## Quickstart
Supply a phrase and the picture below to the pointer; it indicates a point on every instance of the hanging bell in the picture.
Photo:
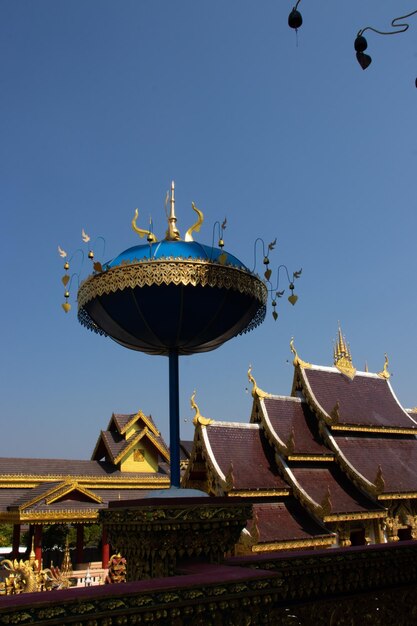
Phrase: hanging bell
(67, 294)
(294, 19)
(266, 261)
(91, 255)
(66, 266)
(221, 243)
(360, 43)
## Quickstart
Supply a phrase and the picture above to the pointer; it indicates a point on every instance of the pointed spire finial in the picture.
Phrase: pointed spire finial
(342, 356)
(172, 234)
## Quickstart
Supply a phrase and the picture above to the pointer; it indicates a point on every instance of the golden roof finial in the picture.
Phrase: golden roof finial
(172, 234)
(342, 356)
(256, 391)
(141, 231)
(297, 360)
(195, 227)
(198, 418)
(385, 373)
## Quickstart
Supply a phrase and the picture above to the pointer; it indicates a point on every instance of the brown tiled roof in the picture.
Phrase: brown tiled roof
(290, 414)
(121, 420)
(285, 521)
(245, 446)
(366, 400)
(12, 496)
(114, 443)
(396, 456)
(345, 498)
(63, 468)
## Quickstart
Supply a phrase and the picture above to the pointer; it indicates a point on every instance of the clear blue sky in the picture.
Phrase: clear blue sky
(103, 102)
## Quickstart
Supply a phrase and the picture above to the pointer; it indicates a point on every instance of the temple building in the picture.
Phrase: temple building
(129, 459)
(334, 464)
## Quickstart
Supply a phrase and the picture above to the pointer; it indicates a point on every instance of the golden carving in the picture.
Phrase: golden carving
(297, 360)
(256, 391)
(379, 481)
(291, 442)
(311, 457)
(326, 504)
(230, 479)
(143, 273)
(259, 493)
(342, 357)
(374, 429)
(142, 232)
(335, 413)
(195, 227)
(198, 418)
(292, 545)
(385, 373)
(139, 455)
(116, 570)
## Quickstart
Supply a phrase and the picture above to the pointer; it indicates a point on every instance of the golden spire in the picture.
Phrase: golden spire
(342, 356)
(172, 234)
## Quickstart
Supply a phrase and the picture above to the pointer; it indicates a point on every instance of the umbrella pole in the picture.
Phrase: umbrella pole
(174, 419)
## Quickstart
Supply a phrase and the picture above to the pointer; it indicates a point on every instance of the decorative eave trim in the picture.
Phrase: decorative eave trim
(311, 457)
(84, 516)
(374, 429)
(398, 496)
(171, 271)
(350, 517)
(102, 482)
(73, 486)
(259, 493)
(294, 544)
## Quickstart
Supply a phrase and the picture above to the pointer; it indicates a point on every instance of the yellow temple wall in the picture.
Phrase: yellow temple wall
(141, 459)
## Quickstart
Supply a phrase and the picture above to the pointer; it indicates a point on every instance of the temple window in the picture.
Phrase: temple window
(357, 537)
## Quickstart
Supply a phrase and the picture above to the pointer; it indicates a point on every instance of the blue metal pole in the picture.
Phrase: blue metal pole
(174, 419)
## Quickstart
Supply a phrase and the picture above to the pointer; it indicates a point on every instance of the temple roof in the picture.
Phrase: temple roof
(15, 468)
(322, 484)
(397, 458)
(123, 433)
(366, 400)
(293, 426)
(286, 521)
(241, 452)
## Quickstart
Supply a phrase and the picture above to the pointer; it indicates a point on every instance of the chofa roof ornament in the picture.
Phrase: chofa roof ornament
(342, 356)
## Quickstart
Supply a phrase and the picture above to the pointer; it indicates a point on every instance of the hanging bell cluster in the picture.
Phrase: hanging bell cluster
(66, 279)
(292, 298)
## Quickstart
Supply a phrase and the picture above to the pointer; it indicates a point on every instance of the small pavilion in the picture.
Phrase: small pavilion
(129, 459)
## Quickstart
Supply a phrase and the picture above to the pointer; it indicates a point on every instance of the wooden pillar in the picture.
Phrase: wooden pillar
(80, 544)
(38, 544)
(105, 549)
(16, 541)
